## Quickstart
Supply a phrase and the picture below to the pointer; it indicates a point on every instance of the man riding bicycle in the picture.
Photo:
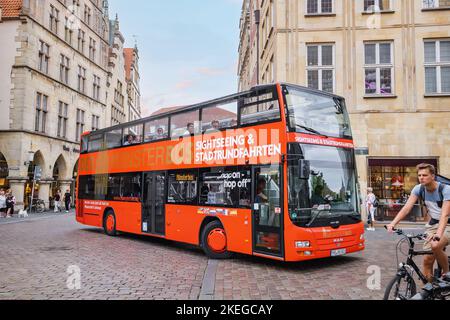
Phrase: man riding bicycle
(436, 197)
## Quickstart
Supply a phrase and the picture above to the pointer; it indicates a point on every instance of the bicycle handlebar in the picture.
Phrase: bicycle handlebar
(400, 232)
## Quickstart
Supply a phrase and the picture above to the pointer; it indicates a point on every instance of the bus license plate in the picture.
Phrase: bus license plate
(339, 252)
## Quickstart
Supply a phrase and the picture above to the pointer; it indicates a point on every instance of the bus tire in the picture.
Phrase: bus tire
(109, 223)
(214, 241)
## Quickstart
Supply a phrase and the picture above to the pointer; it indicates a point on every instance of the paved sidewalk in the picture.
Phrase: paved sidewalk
(34, 217)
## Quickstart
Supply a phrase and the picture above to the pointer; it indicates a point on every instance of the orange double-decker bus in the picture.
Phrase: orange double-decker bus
(269, 172)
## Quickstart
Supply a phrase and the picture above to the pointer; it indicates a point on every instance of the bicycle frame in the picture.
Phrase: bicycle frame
(402, 271)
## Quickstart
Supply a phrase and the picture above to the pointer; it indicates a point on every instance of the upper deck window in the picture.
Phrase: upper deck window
(185, 124)
(84, 144)
(95, 143)
(156, 130)
(315, 113)
(262, 107)
(132, 135)
(113, 138)
(218, 117)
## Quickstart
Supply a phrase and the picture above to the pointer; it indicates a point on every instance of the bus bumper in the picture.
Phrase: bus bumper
(325, 243)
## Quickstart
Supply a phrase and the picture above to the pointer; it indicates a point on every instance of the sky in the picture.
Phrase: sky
(188, 49)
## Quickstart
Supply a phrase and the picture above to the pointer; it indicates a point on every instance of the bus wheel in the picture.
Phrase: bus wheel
(109, 224)
(214, 241)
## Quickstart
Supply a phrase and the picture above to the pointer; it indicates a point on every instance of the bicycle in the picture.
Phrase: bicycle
(405, 272)
(438, 290)
(38, 205)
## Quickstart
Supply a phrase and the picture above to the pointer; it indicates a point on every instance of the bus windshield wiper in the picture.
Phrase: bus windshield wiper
(311, 130)
(338, 106)
(314, 218)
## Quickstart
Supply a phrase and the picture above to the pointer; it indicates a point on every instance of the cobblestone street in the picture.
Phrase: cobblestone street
(35, 256)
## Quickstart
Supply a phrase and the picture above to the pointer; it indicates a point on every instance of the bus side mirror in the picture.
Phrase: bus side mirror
(304, 169)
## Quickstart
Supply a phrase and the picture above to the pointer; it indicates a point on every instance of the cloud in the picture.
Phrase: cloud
(211, 72)
(184, 84)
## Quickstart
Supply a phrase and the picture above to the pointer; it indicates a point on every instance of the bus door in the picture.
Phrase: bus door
(153, 213)
(267, 210)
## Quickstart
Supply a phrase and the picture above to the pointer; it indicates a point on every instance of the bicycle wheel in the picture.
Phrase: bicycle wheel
(40, 207)
(400, 288)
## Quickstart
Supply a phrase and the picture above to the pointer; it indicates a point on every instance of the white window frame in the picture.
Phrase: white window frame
(378, 66)
(321, 67)
(432, 4)
(437, 64)
(377, 7)
(319, 8)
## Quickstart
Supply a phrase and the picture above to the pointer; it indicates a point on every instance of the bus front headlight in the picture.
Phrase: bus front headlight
(302, 244)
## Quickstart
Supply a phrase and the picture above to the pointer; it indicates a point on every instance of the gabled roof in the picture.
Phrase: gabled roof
(11, 8)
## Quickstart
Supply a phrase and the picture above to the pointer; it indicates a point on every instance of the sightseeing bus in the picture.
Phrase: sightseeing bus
(269, 172)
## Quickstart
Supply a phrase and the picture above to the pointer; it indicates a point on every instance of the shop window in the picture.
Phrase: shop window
(219, 187)
(183, 187)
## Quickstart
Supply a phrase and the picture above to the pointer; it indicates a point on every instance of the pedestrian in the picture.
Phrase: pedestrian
(436, 197)
(371, 207)
(67, 200)
(10, 203)
(58, 201)
(2, 203)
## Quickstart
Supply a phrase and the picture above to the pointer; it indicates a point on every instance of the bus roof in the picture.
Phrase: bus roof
(210, 102)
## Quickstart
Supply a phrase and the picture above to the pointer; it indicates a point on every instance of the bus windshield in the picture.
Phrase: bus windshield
(317, 114)
(329, 191)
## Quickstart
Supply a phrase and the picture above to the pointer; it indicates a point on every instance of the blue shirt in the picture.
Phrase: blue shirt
(431, 199)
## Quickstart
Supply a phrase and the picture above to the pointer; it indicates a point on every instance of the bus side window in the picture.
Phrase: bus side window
(220, 187)
(84, 144)
(132, 135)
(156, 130)
(182, 187)
(261, 112)
(95, 143)
(113, 138)
(219, 117)
(261, 107)
(185, 124)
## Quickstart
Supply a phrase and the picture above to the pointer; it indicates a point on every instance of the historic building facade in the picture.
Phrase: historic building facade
(54, 85)
(133, 79)
(389, 59)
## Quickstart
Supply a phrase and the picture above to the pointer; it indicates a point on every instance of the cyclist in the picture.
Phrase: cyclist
(436, 197)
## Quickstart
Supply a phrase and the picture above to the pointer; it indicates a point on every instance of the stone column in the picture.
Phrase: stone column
(44, 191)
(17, 186)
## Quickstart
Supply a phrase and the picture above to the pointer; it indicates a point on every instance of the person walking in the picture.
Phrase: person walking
(10, 203)
(2, 203)
(371, 207)
(67, 200)
(58, 201)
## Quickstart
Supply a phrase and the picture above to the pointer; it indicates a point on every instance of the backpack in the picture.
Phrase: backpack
(375, 202)
(443, 182)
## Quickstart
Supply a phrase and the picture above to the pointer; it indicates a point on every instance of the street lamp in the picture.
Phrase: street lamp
(30, 158)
